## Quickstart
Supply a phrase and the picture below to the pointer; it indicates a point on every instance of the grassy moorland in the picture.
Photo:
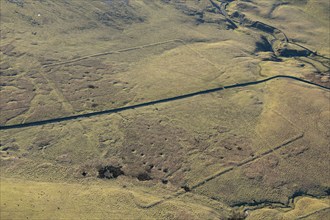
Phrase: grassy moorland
(250, 152)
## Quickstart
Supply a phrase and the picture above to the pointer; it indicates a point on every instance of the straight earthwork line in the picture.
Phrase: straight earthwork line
(312, 213)
(110, 52)
(244, 162)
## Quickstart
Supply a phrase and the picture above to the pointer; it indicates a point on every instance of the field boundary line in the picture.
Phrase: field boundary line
(227, 170)
(154, 102)
(110, 52)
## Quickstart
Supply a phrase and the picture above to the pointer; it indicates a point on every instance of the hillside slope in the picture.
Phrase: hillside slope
(255, 151)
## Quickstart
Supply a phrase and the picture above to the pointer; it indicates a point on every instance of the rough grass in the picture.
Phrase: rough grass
(195, 157)
(45, 200)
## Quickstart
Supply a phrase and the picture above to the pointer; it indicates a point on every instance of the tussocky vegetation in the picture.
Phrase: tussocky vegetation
(239, 152)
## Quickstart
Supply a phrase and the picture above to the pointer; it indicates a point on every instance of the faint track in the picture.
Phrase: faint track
(111, 52)
(116, 110)
(227, 170)
(249, 160)
(221, 6)
(286, 119)
(141, 47)
(135, 48)
(64, 101)
(313, 213)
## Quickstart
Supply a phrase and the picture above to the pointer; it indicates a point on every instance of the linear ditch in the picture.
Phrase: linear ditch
(248, 205)
(221, 7)
(145, 104)
(187, 189)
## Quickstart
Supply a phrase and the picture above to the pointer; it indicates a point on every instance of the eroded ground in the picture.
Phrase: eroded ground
(255, 152)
